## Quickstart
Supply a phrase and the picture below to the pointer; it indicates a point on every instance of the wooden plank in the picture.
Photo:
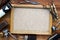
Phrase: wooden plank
(30, 6)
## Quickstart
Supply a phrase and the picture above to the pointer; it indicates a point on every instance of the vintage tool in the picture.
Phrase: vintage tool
(54, 11)
(30, 2)
(54, 37)
(54, 28)
(7, 34)
(5, 9)
(3, 24)
(30, 37)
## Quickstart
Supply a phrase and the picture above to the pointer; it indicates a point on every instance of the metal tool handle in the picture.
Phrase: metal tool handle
(52, 37)
(7, 34)
(12, 36)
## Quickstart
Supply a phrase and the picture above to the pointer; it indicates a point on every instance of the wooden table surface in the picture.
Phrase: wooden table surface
(39, 37)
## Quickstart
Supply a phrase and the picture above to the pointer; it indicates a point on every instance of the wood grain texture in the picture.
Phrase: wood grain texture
(39, 37)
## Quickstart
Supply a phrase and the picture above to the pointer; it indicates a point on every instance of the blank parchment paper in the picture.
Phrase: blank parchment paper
(31, 21)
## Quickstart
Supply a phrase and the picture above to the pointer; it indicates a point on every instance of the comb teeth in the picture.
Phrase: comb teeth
(3, 24)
